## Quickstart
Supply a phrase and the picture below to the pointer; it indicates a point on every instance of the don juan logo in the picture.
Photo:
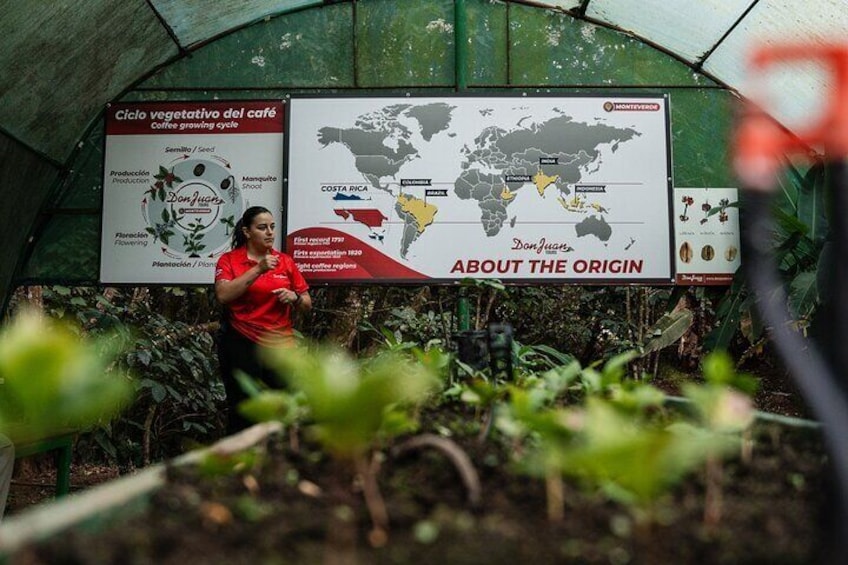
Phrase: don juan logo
(541, 245)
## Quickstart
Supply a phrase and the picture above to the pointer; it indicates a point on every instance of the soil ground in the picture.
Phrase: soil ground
(34, 481)
(35, 478)
(308, 509)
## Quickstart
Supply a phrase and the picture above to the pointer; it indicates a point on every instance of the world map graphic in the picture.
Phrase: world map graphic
(499, 167)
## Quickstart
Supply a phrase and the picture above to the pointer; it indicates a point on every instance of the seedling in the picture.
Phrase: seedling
(613, 442)
(723, 407)
(354, 405)
(53, 380)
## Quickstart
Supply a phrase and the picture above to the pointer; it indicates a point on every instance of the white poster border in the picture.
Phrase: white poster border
(314, 250)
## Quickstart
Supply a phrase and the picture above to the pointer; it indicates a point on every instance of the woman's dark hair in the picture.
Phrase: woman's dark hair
(246, 220)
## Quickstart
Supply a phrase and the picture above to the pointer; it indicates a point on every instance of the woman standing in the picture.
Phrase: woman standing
(259, 288)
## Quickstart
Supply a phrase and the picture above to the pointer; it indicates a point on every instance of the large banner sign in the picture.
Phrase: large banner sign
(568, 189)
(177, 177)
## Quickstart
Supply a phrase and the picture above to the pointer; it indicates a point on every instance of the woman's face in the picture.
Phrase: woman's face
(260, 234)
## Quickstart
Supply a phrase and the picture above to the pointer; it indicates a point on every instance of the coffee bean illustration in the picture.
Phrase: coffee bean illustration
(731, 253)
(225, 184)
(707, 253)
(685, 252)
(199, 169)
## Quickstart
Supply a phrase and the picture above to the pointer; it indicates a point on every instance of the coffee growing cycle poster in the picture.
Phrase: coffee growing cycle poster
(177, 176)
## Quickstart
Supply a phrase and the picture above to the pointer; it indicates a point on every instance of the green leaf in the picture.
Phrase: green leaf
(633, 462)
(266, 406)
(562, 358)
(559, 378)
(248, 384)
(803, 295)
(729, 314)
(788, 224)
(614, 369)
(156, 390)
(811, 203)
(668, 330)
(718, 368)
(55, 377)
(787, 194)
(716, 209)
(494, 284)
(350, 399)
(174, 393)
(144, 356)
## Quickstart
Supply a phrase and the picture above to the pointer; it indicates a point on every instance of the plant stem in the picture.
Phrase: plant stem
(713, 495)
(373, 500)
(294, 438)
(488, 418)
(477, 316)
(555, 496)
(148, 425)
(455, 454)
(489, 303)
(747, 450)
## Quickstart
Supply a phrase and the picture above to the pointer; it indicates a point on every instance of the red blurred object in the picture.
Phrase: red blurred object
(761, 141)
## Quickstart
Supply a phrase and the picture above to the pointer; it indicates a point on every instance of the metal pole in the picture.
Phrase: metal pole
(834, 348)
(460, 40)
(462, 315)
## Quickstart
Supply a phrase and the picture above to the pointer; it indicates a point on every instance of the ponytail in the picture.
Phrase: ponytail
(238, 238)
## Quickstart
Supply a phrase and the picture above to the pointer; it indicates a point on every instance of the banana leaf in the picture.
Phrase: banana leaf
(668, 329)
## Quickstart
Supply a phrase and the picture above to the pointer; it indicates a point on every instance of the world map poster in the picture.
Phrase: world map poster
(559, 189)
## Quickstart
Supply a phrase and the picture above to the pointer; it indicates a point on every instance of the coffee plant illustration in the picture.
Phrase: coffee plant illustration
(192, 240)
(164, 178)
(164, 230)
(229, 222)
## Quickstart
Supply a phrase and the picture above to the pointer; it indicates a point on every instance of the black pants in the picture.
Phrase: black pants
(237, 353)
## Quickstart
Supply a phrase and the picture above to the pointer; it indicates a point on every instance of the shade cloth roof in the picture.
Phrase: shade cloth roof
(54, 54)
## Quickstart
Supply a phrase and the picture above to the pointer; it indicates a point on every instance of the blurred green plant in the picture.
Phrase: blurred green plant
(619, 439)
(353, 406)
(723, 408)
(485, 392)
(166, 342)
(53, 380)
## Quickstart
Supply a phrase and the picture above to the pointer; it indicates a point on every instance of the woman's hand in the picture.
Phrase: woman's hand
(302, 301)
(286, 295)
(269, 263)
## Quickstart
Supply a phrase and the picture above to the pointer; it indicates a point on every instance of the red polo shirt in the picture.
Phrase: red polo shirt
(257, 314)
